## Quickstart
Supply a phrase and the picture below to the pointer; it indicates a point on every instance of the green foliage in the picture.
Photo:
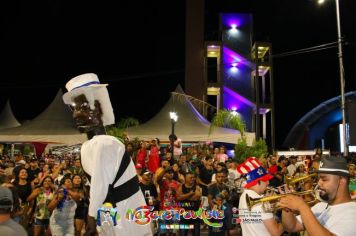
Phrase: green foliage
(124, 123)
(27, 149)
(225, 118)
(242, 151)
(119, 130)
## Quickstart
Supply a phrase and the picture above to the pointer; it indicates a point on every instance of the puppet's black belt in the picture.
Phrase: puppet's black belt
(123, 191)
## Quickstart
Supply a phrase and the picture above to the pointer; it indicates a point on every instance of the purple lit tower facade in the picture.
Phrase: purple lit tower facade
(230, 71)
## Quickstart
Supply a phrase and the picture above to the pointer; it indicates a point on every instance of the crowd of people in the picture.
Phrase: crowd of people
(50, 193)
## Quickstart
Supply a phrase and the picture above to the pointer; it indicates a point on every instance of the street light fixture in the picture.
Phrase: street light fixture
(174, 119)
(342, 77)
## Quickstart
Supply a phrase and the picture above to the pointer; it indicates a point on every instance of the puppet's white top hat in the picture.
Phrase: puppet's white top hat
(89, 85)
(84, 80)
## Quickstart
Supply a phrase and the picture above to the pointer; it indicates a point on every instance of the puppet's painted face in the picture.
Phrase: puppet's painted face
(85, 118)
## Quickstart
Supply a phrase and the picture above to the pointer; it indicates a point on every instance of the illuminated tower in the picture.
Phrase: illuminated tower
(227, 70)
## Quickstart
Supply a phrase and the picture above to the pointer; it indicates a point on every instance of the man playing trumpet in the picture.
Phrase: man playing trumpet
(256, 221)
(336, 215)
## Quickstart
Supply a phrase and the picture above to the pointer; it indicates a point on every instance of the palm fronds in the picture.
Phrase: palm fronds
(227, 119)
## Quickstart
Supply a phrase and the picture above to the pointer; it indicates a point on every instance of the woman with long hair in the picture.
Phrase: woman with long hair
(63, 207)
(43, 195)
(142, 154)
(82, 203)
(153, 157)
(24, 189)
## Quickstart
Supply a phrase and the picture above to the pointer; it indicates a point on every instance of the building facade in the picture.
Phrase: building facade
(227, 70)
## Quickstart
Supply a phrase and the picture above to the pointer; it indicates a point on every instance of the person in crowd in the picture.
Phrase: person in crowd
(153, 157)
(149, 190)
(176, 144)
(139, 171)
(335, 215)
(352, 170)
(45, 171)
(8, 226)
(112, 173)
(24, 190)
(168, 197)
(82, 204)
(218, 206)
(220, 188)
(233, 175)
(19, 165)
(168, 157)
(216, 153)
(130, 151)
(42, 195)
(205, 173)
(76, 169)
(161, 170)
(188, 195)
(33, 170)
(142, 154)
(222, 156)
(63, 207)
(9, 168)
(219, 167)
(257, 180)
(178, 176)
(184, 165)
(41, 163)
(278, 170)
(292, 167)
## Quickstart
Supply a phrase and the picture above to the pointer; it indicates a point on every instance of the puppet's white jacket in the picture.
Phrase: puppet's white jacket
(101, 157)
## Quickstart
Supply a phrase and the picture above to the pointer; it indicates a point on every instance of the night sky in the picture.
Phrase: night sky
(138, 48)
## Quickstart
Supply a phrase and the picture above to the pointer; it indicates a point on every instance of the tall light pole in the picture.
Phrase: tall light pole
(174, 118)
(342, 76)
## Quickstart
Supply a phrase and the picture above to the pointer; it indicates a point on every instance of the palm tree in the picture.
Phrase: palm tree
(227, 119)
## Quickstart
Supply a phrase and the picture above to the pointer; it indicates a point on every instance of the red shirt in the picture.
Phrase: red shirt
(273, 169)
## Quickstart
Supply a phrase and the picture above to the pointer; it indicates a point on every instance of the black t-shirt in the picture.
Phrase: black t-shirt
(32, 174)
(24, 191)
(148, 191)
(275, 182)
(189, 204)
(205, 176)
(215, 189)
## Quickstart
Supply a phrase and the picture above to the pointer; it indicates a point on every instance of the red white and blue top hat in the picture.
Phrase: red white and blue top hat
(254, 172)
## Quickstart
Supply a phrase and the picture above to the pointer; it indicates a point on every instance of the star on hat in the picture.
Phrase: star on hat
(254, 172)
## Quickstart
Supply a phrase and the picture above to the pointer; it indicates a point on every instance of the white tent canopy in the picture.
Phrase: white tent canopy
(7, 118)
(54, 125)
(190, 127)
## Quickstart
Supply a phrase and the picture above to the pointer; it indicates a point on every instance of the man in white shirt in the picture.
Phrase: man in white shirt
(336, 215)
(110, 170)
(292, 167)
(255, 221)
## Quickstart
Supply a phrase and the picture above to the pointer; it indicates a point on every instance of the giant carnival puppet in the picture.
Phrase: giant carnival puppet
(111, 172)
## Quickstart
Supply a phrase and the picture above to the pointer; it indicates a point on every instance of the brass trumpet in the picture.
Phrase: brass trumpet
(290, 181)
(268, 203)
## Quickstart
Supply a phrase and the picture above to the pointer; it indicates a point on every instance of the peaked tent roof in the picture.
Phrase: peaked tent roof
(190, 127)
(54, 125)
(7, 118)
